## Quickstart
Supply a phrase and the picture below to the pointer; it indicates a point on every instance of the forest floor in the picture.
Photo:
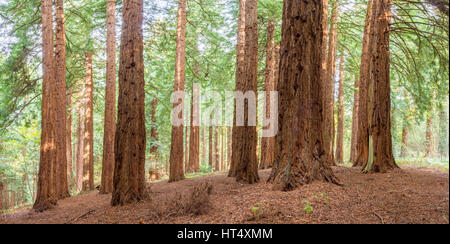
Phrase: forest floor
(409, 195)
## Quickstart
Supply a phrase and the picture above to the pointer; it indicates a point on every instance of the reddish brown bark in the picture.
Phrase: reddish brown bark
(106, 185)
(154, 130)
(381, 158)
(176, 150)
(244, 158)
(240, 70)
(69, 139)
(299, 150)
(340, 130)
(80, 143)
(88, 156)
(48, 143)
(216, 149)
(229, 146)
(267, 143)
(328, 105)
(355, 121)
(210, 147)
(60, 79)
(130, 137)
(362, 138)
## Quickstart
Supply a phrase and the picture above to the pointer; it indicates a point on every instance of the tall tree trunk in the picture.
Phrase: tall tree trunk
(267, 143)
(176, 150)
(204, 157)
(340, 132)
(186, 148)
(443, 132)
(299, 148)
(362, 138)
(222, 149)
(429, 135)
(60, 79)
(80, 143)
(2, 189)
(69, 139)
(355, 121)
(46, 184)
(88, 158)
(244, 158)
(229, 146)
(405, 133)
(381, 158)
(328, 106)
(240, 71)
(130, 140)
(106, 186)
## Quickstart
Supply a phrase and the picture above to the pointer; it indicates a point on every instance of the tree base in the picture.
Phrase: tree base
(42, 205)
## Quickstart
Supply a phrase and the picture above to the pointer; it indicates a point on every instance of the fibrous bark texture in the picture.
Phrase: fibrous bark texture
(129, 147)
(299, 149)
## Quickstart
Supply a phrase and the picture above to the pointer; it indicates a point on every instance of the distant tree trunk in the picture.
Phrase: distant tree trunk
(355, 121)
(2, 189)
(340, 132)
(381, 158)
(186, 148)
(80, 143)
(216, 149)
(210, 147)
(88, 158)
(229, 146)
(154, 130)
(443, 132)
(240, 71)
(362, 138)
(46, 185)
(69, 139)
(176, 150)
(106, 185)
(222, 148)
(429, 135)
(328, 109)
(405, 133)
(130, 140)
(245, 142)
(267, 143)
(299, 148)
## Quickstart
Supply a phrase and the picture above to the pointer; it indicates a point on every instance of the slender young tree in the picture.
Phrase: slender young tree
(80, 142)
(340, 131)
(299, 150)
(176, 149)
(362, 138)
(354, 121)
(154, 129)
(44, 199)
(429, 137)
(129, 147)
(210, 147)
(328, 106)
(381, 158)
(61, 111)
(405, 133)
(267, 143)
(216, 149)
(88, 153)
(244, 158)
(106, 186)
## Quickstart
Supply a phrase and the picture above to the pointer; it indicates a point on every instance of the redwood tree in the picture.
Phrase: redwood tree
(176, 148)
(340, 130)
(244, 158)
(329, 88)
(299, 150)
(44, 199)
(80, 143)
(354, 121)
(381, 158)
(267, 143)
(362, 138)
(88, 153)
(110, 101)
(60, 79)
(129, 147)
